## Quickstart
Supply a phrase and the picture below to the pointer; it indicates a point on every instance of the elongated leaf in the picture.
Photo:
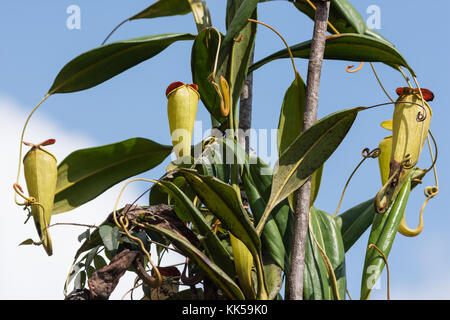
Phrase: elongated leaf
(240, 19)
(384, 230)
(290, 123)
(87, 173)
(214, 247)
(240, 56)
(261, 174)
(317, 280)
(290, 126)
(355, 221)
(272, 240)
(223, 202)
(243, 262)
(94, 240)
(222, 199)
(201, 14)
(203, 57)
(164, 8)
(217, 275)
(307, 153)
(100, 64)
(351, 47)
(110, 236)
(273, 277)
(344, 17)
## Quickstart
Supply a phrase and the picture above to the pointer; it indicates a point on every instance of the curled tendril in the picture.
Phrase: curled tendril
(431, 191)
(366, 153)
(406, 162)
(420, 117)
(123, 224)
(28, 200)
(349, 68)
(238, 39)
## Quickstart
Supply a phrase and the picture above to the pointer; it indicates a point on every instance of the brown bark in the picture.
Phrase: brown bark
(303, 194)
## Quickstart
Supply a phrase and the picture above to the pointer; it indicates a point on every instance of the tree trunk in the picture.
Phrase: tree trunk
(245, 110)
(303, 194)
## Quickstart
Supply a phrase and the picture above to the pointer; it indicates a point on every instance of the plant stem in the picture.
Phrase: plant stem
(245, 110)
(295, 280)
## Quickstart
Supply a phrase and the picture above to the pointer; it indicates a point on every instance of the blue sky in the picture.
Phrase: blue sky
(37, 44)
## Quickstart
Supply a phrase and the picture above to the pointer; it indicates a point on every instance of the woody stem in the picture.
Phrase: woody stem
(295, 280)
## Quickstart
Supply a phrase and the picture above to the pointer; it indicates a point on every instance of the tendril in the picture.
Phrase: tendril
(349, 68)
(366, 153)
(405, 164)
(387, 266)
(327, 262)
(281, 37)
(123, 224)
(420, 117)
(21, 141)
(380, 83)
(429, 192)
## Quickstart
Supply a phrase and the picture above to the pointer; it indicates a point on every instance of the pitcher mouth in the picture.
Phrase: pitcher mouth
(178, 84)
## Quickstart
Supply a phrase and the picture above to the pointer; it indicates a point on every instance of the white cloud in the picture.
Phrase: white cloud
(26, 272)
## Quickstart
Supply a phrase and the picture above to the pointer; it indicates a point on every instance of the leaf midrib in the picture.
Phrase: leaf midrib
(106, 168)
(87, 69)
(300, 161)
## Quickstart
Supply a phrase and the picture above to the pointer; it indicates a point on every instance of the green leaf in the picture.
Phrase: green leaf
(344, 17)
(384, 230)
(307, 153)
(290, 123)
(164, 8)
(213, 246)
(203, 57)
(80, 280)
(94, 240)
(26, 242)
(272, 240)
(102, 63)
(239, 21)
(261, 174)
(240, 56)
(99, 262)
(217, 275)
(223, 202)
(90, 257)
(87, 173)
(273, 277)
(372, 33)
(85, 235)
(352, 47)
(201, 14)
(290, 126)
(355, 221)
(233, 62)
(317, 281)
(110, 237)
